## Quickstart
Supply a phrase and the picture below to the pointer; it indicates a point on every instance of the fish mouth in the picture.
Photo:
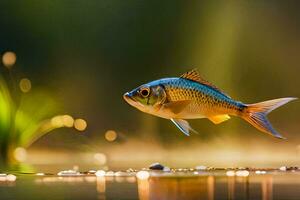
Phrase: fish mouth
(129, 98)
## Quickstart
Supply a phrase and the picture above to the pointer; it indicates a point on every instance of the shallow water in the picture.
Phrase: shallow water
(172, 185)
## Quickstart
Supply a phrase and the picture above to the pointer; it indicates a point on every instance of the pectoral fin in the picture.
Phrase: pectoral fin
(217, 119)
(177, 106)
(184, 126)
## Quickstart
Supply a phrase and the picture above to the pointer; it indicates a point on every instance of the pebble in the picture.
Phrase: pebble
(283, 168)
(11, 177)
(92, 171)
(166, 169)
(121, 173)
(110, 173)
(156, 166)
(68, 173)
(129, 170)
(201, 167)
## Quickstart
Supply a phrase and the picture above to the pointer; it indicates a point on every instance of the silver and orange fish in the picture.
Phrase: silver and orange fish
(191, 97)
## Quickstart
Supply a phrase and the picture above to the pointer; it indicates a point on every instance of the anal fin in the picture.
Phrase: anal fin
(217, 119)
(184, 126)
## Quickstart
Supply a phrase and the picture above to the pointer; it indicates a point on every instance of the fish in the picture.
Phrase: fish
(192, 97)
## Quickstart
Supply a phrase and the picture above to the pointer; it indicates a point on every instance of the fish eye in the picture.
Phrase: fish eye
(145, 92)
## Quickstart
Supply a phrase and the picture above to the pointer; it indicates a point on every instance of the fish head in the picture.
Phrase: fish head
(146, 98)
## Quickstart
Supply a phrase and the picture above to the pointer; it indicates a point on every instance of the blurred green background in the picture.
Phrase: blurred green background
(86, 54)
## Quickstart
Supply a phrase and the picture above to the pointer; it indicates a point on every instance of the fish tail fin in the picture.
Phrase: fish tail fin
(256, 114)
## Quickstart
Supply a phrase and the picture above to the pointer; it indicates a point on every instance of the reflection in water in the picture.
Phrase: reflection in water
(267, 188)
(202, 187)
(101, 187)
(143, 189)
(210, 187)
(230, 183)
(182, 186)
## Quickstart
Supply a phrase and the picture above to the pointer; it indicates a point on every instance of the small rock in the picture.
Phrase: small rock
(292, 168)
(11, 177)
(156, 166)
(121, 173)
(201, 167)
(166, 169)
(110, 173)
(68, 173)
(92, 171)
(283, 168)
(129, 170)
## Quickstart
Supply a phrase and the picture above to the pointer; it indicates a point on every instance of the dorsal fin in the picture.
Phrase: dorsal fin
(195, 76)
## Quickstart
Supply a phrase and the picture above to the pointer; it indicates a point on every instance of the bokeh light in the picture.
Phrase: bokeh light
(243, 173)
(9, 59)
(111, 135)
(282, 168)
(100, 158)
(57, 121)
(67, 121)
(25, 85)
(100, 173)
(230, 173)
(260, 172)
(143, 175)
(80, 124)
(20, 154)
(3, 177)
(11, 177)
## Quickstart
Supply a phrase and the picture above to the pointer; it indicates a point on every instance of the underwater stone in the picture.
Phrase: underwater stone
(156, 166)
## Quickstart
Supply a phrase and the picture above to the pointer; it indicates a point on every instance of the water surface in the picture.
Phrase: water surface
(173, 185)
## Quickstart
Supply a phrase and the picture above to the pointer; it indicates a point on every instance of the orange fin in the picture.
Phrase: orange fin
(177, 106)
(195, 76)
(256, 115)
(217, 119)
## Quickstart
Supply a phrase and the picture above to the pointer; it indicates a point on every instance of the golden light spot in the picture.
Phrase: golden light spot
(3, 177)
(25, 85)
(100, 173)
(243, 173)
(75, 167)
(230, 173)
(67, 121)
(20, 154)
(80, 124)
(100, 158)
(260, 172)
(111, 135)
(11, 177)
(9, 59)
(282, 168)
(143, 175)
(57, 121)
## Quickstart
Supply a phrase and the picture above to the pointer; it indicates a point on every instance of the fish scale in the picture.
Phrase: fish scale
(203, 97)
